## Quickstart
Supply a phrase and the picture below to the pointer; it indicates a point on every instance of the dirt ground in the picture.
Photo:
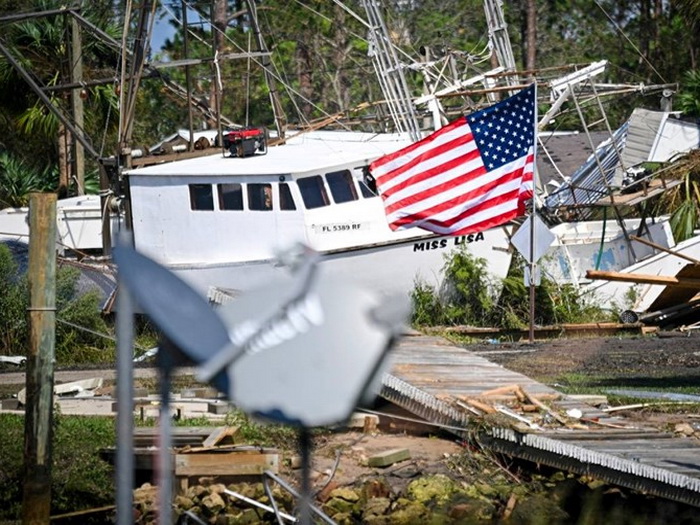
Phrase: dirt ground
(341, 459)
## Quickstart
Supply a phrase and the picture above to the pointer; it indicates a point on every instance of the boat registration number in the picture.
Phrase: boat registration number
(340, 227)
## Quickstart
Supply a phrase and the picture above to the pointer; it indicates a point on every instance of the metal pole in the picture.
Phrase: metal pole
(36, 502)
(188, 83)
(277, 110)
(106, 213)
(293, 492)
(532, 267)
(165, 457)
(305, 503)
(533, 218)
(125, 403)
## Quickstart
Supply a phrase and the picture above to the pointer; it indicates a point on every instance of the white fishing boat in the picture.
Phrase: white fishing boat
(206, 218)
(602, 245)
(78, 224)
(218, 221)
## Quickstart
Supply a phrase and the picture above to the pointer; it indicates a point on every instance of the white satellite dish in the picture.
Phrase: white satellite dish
(303, 351)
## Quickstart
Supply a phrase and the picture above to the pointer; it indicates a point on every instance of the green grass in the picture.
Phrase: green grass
(580, 383)
(80, 479)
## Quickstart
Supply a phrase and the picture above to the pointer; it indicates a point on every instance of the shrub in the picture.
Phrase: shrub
(469, 296)
(14, 298)
(466, 295)
(79, 320)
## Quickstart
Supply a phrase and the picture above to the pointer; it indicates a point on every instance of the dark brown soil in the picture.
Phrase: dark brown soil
(665, 359)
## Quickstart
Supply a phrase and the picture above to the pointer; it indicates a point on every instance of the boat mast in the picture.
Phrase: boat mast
(129, 83)
(390, 73)
(499, 39)
(280, 118)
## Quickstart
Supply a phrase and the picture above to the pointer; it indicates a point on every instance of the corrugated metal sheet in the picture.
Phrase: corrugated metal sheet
(643, 128)
(589, 183)
(635, 141)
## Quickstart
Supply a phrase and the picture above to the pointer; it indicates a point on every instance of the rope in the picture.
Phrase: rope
(630, 41)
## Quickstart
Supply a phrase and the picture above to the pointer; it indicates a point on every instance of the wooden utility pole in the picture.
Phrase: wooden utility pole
(36, 502)
(76, 76)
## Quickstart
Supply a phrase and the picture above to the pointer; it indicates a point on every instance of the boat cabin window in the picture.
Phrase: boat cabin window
(286, 199)
(230, 196)
(201, 197)
(260, 197)
(341, 185)
(313, 192)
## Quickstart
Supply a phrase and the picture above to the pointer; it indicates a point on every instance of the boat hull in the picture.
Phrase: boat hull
(388, 268)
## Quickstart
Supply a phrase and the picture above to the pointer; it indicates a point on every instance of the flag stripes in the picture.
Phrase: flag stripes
(473, 174)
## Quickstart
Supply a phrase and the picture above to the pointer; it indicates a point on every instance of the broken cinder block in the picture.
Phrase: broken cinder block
(389, 457)
(367, 422)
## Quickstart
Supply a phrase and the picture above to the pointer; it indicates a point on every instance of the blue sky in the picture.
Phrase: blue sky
(163, 29)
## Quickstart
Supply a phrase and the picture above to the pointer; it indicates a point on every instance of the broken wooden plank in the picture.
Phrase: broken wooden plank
(218, 435)
(484, 407)
(640, 278)
(181, 436)
(534, 401)
(238, 463)
(589, 399)
(509, 389)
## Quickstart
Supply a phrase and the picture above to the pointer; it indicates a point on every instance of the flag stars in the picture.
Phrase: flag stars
(505, 132)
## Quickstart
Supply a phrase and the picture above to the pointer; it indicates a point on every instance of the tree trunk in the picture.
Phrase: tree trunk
(341, 81)
(531, 35)
(64, 165)
(304, 68)
(646, 35)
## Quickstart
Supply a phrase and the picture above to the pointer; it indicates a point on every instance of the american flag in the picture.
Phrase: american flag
(471, 175)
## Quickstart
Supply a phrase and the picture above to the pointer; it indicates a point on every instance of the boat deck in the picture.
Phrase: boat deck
(445, 384)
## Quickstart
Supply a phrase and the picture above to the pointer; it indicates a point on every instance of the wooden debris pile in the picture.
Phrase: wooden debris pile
(198, 453)
(513, 406)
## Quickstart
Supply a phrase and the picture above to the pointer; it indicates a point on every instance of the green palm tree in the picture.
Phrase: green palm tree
(688, 99)
(684, 199)
(18, 180)
(29, 130)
